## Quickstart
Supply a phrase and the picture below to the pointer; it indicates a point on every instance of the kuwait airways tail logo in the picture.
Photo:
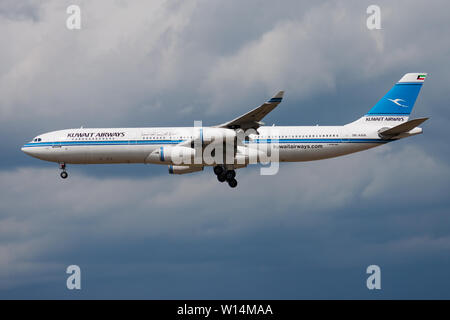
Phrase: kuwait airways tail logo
(397, 102)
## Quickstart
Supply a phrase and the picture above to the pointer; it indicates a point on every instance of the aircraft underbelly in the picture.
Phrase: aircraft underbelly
(315, 151)
(104, 154)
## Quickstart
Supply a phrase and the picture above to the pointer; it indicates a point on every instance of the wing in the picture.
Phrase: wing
(252, 119)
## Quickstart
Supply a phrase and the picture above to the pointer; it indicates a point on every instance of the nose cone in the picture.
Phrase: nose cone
(29, 151)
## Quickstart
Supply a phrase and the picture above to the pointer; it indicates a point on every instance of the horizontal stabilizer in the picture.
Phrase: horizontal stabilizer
(402, 128)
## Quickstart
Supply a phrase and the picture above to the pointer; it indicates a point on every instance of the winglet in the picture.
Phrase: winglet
(418, 77)
(277, 98)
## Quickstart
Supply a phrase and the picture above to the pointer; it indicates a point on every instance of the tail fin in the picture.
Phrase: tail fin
(397, 104)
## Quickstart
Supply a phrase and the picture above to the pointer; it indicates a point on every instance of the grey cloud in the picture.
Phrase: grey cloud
(20, 10)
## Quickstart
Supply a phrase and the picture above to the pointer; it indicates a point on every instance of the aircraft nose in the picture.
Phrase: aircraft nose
(27, 150)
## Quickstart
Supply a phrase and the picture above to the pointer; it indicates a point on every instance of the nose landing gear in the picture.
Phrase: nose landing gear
(226, 175)
(64, 173)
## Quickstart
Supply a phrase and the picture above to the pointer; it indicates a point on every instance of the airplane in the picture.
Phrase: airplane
(252, 142)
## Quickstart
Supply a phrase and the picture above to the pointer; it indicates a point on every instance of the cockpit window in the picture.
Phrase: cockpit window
(37, 139)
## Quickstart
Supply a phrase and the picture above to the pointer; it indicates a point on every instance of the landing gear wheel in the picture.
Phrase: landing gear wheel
(222, 177)
(232, 183)
(218, 170)
(230, 174)
(64, 175)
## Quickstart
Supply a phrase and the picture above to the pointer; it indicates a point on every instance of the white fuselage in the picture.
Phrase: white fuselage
(134, 145)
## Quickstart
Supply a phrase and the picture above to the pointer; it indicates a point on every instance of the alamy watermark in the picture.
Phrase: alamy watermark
(374, 280)
(373, 21)
(73, 21)
(210, 146)
(73, 282)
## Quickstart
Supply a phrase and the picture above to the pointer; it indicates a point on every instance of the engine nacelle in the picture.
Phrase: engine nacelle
(183, 169)
(172, 154)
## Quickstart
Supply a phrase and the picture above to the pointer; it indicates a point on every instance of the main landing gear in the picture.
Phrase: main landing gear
(64, 173)
(226, 175)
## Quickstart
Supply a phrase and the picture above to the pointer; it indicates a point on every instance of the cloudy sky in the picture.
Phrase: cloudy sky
(308, 232)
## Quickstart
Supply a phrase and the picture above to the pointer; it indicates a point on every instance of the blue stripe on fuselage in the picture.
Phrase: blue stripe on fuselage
(160, 142)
